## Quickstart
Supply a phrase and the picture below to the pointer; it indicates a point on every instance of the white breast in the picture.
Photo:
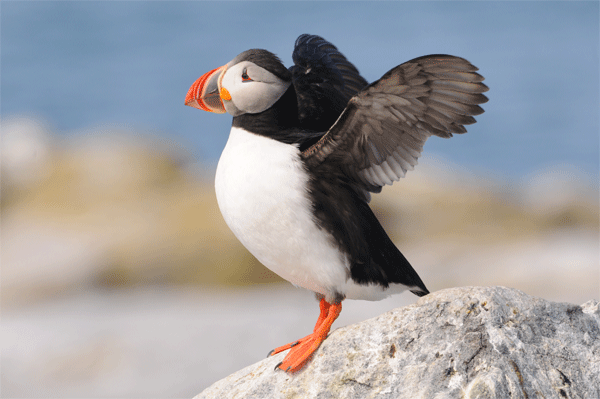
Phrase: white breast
(261, 190)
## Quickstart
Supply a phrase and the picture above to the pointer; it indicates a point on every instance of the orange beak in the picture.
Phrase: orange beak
(205, 92)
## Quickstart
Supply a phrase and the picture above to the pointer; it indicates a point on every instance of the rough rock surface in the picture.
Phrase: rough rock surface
(469, 342)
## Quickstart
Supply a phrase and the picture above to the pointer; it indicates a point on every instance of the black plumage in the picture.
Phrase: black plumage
(342, 211)
(324, 81)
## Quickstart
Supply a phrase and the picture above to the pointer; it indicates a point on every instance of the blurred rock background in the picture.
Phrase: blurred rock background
(119, 210)
(117, 266)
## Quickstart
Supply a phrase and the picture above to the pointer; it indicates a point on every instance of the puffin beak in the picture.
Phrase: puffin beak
(205, 92)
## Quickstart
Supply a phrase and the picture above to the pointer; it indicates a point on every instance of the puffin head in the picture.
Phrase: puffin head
(249, 84)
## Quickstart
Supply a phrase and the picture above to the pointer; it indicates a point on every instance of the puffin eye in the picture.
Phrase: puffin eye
(245, 77)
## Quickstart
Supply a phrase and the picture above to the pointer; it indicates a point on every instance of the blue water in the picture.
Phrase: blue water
(84, 64)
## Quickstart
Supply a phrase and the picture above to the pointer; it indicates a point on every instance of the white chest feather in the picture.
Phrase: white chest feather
(261, 190)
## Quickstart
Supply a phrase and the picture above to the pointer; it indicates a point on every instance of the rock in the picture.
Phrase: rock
(469, 342)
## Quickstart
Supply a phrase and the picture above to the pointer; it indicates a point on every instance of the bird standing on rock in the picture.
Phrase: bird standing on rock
(307, 147)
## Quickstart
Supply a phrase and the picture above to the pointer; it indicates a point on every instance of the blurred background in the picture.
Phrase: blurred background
(119, 277)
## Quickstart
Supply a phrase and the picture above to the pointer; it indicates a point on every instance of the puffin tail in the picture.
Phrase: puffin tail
(420, 291)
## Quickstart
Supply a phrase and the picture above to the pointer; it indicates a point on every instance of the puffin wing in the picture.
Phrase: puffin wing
(380, 134)
(324, 81)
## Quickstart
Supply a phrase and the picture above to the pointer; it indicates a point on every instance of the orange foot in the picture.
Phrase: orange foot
(303, 349)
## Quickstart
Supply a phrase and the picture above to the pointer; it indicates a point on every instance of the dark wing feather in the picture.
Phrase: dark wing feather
(381, 133)
(324, 81)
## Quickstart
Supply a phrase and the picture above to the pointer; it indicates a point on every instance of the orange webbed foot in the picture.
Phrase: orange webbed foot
(302, 350)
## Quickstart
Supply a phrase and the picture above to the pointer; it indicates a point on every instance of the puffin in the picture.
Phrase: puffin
(308, 146)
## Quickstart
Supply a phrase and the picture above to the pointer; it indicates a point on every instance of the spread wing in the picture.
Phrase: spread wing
(324, 81)
(380, 134)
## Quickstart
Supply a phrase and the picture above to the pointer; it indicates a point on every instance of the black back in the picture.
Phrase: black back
(340, 210)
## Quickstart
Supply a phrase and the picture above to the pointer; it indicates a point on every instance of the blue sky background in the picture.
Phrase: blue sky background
(78, 65)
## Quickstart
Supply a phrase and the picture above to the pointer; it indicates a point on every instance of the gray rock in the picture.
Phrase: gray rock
(469, 342)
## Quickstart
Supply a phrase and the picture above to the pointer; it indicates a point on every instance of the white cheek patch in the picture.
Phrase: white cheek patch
(257, 97)
(253, 96)
(262, 75)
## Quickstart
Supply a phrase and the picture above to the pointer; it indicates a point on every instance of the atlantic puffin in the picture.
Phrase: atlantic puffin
(308, 146)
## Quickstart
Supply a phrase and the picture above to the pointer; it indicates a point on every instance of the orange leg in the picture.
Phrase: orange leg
(324, 307)
(303, 349)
